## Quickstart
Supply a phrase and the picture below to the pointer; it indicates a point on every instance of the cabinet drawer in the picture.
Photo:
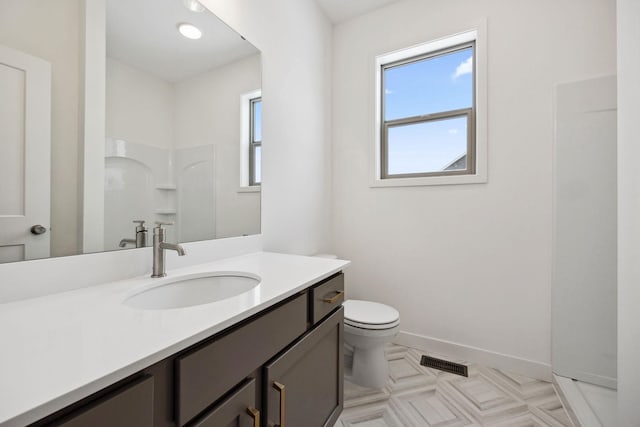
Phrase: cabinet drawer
(239, 409)
(208, 372)
(326, 297)
(131, 406)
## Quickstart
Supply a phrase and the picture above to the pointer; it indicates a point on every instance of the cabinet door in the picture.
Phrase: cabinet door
(206, 373)
(304, 386)
(237, 410)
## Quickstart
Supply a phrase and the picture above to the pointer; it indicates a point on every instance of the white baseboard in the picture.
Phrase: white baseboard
(504, 362)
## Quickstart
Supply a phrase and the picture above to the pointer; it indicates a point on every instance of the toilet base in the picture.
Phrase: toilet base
(366, 332)
(370, 367)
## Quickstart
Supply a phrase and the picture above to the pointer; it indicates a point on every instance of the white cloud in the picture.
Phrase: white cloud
(453, 131)
(388, 91)
(465, 67)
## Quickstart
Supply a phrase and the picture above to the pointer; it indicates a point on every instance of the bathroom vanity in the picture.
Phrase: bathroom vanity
(273, 356)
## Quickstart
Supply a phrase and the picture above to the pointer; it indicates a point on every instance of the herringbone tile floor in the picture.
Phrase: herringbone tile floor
(416, 396)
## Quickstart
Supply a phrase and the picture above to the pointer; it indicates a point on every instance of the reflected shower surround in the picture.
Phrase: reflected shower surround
(147, 183)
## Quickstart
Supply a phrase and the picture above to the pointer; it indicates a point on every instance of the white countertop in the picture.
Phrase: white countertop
(60, 348)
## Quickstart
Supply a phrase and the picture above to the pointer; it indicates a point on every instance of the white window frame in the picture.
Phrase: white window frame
(477, 35)
(245, 140)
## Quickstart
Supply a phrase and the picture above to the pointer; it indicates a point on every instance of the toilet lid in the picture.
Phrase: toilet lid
(370, 315)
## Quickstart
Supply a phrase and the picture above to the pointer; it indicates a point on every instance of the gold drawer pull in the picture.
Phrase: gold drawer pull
(255, 415)
(334, 298)
(280, 387)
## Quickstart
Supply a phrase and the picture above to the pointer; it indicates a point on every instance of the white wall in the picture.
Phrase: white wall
(295, 39)
(207, 111)
(139, 106)
(466, 264)
(628, 212)
(22, 25)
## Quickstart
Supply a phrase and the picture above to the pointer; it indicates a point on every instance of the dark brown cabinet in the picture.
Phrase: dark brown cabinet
(208, 371)
(326, 297)
(303, 386)
(282, 366)
(237, 410)
(129, 406)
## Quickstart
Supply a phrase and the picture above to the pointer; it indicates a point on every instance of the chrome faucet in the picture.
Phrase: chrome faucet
(141, 236)
(159, 245)
(125, 242)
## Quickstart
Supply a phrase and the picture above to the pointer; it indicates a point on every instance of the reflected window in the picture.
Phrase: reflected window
(428, 113)
(255, 141)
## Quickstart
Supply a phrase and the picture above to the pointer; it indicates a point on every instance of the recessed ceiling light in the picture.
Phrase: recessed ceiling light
(190, 31)
(193, 5)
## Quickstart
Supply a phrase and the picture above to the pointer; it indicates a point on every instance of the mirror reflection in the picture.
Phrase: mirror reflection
(117, 114)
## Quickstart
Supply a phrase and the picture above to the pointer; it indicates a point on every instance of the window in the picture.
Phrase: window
(255, 141)
(427, 108)
(250, 141)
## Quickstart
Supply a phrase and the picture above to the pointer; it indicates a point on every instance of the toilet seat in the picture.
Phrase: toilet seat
(370, 315)
(370, 326)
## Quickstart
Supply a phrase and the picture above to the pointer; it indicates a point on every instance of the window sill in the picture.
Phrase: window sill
(431, 180)
(250, 189)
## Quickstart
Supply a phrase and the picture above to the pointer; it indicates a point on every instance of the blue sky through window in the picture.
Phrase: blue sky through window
(426, 147)
(438, 84)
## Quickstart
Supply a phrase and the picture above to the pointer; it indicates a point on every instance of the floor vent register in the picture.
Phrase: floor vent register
(444, 365)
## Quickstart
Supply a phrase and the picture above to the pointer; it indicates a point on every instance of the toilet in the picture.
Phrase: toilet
(368, 326)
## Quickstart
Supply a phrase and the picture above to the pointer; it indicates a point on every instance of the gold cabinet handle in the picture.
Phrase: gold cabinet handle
(280, 388)
(334, 298)
(255, 415)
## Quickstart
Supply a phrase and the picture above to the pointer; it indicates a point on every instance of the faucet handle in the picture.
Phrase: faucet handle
(159, 224)
(140, 227)
(158, 228)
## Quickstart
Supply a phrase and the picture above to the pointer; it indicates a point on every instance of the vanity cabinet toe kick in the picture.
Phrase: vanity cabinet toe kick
(281, 367)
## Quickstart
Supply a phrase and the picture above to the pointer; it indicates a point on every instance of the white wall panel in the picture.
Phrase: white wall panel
(584, 280)
(628, 212)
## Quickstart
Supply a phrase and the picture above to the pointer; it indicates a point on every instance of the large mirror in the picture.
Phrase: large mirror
(115, 111)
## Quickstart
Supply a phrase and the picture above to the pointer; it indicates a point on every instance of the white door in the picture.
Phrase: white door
(25, 124)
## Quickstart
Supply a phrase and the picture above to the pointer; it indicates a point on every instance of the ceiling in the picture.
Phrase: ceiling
(341, 10)
(144, 35)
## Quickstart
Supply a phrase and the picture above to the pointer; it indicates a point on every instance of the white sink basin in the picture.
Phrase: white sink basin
(194, 289)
